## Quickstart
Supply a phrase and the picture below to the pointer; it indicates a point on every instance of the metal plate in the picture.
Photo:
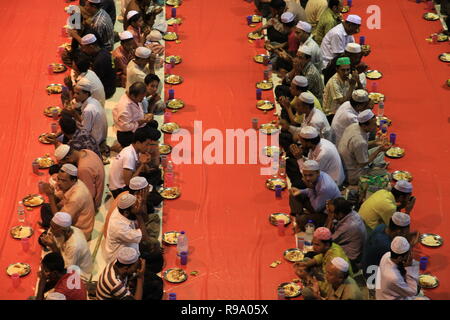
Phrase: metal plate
(172, 21)
(167, 237)
(183, 275)
(259, 58)
(442, 37)
(173, 79)
(401, 175)
(175, 104)
(295, 257)
(164, 149)
(288, 293)
(255, 36)
(433, 285)
(430, 16)
(58, 68)
(445, 57)
(376, 97)
(271, 183)
(269, 128)
(395, 152)
(45, 162)
(173, 2)
(373, 74)
(264, 105)
(166, 193)
(67, 46)
(42, 138)
(170, 36)
(438, 238)
(365, 47)
(177, 59)
(39, 200)
(54, 88)
(270, 150)
(21, 232)
(170, 127)
(24, 269)
(389, 122)
(49, 111)
(274, 217)
(264, 85)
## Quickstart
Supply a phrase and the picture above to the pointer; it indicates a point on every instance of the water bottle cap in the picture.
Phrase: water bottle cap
(182, 232)
(172, 295)
(310, 221)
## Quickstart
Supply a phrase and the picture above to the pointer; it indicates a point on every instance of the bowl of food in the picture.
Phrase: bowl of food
(259, 58)
(177, 59)
(173, 79)
(430, 16)
(272, 183)
(58, 68)
(33, 200)
(431, 240)
(175, 275)
(54, 88)
(20, 268)
(274, 217)
(49, 111)
(376, 97)
(45, 162)
(175, 104)
(401, 175)
(170, 127)
(270, 151)
(43, 137)
(255, 36)
(293, 255)
(170, 237)
(269, 128)
(165, 149)
(291, 289)
(172, 21)
(264, 105)
(21, 232)
(373, 74)
(427, 281)
(170, 36)
(170, 193)
(395, 152)
(264, 85)
(445, 57)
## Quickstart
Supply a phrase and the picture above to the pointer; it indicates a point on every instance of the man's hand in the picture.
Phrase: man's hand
(354, 78)
(284, 124)
(295, 192)
(365, 50)
(296, 151)
(284, 102)
(413, 238)
(283, 54)
(144, 158)
(148, 117)
(48, 189)
(52, 139)
(72, 33)
(410, 204)
(385, 147)
(48, 240)
(141, 271)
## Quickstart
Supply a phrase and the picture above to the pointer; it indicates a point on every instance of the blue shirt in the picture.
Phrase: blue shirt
(325, 189)
(377, 244)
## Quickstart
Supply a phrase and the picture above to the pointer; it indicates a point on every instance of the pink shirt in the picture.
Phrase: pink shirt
(92, 173)
(126, 114)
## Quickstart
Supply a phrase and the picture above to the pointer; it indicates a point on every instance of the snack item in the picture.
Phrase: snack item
(264, 85)
(275, 264)
(170, 36)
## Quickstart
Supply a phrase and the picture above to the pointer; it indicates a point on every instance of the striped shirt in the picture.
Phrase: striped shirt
(102, 24)
(110, 286)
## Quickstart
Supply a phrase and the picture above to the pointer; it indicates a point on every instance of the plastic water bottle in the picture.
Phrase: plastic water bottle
(21, 212)
(381, 109)
(182, 243)
(170, 166)
(309, 233)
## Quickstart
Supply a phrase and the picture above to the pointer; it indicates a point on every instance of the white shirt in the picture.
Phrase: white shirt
(94, 119)
(126, 159)
(318, 120)
(326, 154)
(135, 73)
(122, 232)
(345, 116)
(334, 43)
(127, 113)
(390, 283)
(97, 89)
(316, 55)
(75, 251)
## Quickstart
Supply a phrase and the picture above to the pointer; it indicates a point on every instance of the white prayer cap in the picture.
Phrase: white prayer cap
(353, 18)
(360, 95)
(126, 201)
(400, 245)
(305, 26)
(131, 13)
(305, 49)
(404, 186)
(55, 296)
(287, 17)
(88, 39)
(340, 264)
(309, 132)
(138, 183)
(353, 47)
(365, 116)
(401, 219)
(70, 169)
(300, 81)
(143, 52)
(61, 151)
(310, 165)
(127, 255)
(126, 35)
(154, 35)
(84, 84)
(95, 1)
(306, 97)
(62, 219)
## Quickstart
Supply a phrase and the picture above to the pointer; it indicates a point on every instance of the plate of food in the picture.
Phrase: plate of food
(430, 16)
(255, 36)
(427, 281)
(269, 128)
(376, 97)
(172, 21)
(441, 37)
(431, 240)
(170, 36)
(175, 104)
(169, 58)
(170, 127)
(365, 47)
(20, 268)
(291, 289)
(269, 151)
(170, 237)
(259, 58)
(67, 46)
(445, 57)
(264, 105)
(43, 137)
(401, 175)
(175, 275)
(293, 255)
(389, 122)
(58, 67)
(164, 149)
(170, 193)
(272, 183)
(274, 217)
(264, 85)
(173, 79)
(345, 9)
(173, 2)
(373, 74)
(45, 162)
(395, 152)
(448, 82)
(33, 200)
(21, 232)
(256, 18)
(49, 111)
(54, 88)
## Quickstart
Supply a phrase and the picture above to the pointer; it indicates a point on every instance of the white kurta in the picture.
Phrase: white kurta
(97, 89)
(334, 43)
(318, 120)
(94, 119)
(135, 73)
(345, 116)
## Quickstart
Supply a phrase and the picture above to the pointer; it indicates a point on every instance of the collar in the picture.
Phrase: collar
(310, 115)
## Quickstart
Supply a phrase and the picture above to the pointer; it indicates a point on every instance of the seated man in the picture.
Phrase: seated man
(90, 169)
(330, 18)
(113, 283)
(354, 148)
(135, 26)
(320, 189)
(54, 278)
(101, 22)
(313, 11)
(398, 274)
(153, 103)
(122, 55)
(381, 205)
(140, 66)
(70, 242)
(154, 42)
(349, 232)
(76, 200)
(153, 287)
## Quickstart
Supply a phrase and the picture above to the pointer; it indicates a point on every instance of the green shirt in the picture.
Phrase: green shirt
(348, 290)
(378, 209)
(328, 20)
(335, 251)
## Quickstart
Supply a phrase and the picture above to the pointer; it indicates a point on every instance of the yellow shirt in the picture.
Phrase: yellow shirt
(335, 251)
(378, 209)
